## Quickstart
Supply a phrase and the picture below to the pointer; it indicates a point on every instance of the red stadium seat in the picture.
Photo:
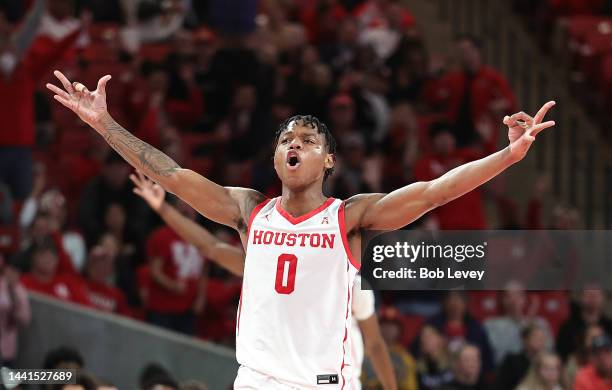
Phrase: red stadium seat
(483, 304)
(412, 327)
(410, 324)
(590, 39)
(553, 306)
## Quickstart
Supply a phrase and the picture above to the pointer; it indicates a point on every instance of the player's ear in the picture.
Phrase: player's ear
(330, 160)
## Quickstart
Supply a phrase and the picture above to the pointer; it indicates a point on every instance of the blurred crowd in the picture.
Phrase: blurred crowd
(208, 83)
(153, 376)
(578, 33)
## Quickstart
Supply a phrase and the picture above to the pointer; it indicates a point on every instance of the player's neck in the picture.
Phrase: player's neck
(298, 203)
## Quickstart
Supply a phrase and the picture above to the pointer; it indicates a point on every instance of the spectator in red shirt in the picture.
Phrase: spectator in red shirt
(176, 294)
(321, 20)
(102, 294)
(598, 374)
(44, 278)
(475, 94)
(53, 203)
(21, 68)
(126, 260)
(41, 233)
(165, 95)
(467, 211)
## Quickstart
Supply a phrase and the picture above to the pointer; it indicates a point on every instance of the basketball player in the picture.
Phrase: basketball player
(365, 322)
(293, 316)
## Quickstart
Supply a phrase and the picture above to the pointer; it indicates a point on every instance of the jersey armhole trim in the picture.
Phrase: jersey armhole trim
(254, 214)
(345, 242)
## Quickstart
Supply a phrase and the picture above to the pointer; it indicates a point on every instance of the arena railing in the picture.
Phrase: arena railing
(116, 348)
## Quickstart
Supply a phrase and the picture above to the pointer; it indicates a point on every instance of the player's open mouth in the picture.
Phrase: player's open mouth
(293, 160)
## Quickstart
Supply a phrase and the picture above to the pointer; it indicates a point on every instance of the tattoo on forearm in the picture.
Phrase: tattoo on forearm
(137, 152)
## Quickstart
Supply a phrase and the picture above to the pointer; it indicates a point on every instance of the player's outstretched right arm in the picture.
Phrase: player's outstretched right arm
(229, 206)
(222, 253)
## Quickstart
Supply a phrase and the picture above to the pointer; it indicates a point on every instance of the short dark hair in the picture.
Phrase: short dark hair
(151, 371)
(164, 380)
(456, 356)
(528, 329)
(45, 245)
(62, 354)
(460, 293)
(439, 127)
(314, 123)
(85, 380)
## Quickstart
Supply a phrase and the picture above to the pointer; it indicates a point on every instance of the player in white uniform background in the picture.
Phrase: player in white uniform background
(295, 306)
(231, 258)
(363, 308)
(368, 341)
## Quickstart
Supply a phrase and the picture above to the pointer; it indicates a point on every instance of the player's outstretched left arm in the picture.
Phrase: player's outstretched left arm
(404, 205)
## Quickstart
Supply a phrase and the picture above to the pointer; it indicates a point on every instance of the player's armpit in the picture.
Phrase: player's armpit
(247, 199)
(355, 210)
(389, 211)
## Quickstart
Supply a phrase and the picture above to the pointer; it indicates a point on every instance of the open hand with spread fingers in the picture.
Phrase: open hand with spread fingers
(89, 106)
(148, 190)
(522, 129)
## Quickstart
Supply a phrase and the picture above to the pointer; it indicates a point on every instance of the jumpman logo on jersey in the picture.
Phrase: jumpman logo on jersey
(267, 217)
(325, 221)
